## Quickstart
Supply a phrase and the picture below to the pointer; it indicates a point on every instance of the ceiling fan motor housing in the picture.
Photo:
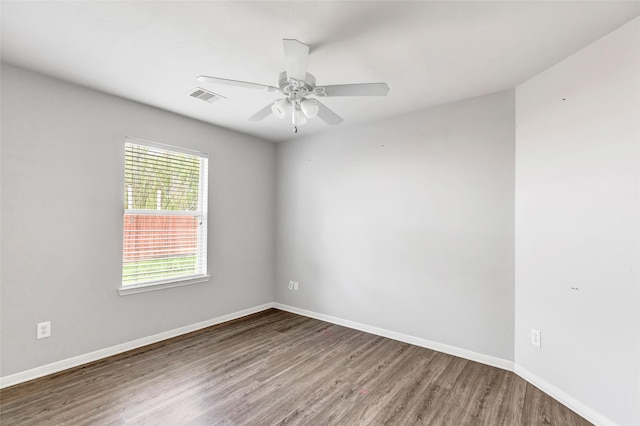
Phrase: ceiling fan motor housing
(296, 89)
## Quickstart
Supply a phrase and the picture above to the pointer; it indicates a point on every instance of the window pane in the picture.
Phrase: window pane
(165, 222)
(160, 180)
(157, 247)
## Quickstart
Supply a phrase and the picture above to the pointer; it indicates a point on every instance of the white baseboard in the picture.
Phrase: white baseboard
(564, 398)
(417, 341)
(65, 364)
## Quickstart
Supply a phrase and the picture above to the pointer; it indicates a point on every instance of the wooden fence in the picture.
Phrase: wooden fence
(161, 236)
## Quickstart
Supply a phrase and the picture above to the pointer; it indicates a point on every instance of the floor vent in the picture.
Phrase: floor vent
(205, 95)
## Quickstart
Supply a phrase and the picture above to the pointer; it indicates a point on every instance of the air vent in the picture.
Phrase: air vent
(205, 95)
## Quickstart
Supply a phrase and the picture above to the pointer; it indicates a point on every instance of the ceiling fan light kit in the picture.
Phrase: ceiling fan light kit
(280, 107)
(310, 107)
(299, 110)
(296, 84)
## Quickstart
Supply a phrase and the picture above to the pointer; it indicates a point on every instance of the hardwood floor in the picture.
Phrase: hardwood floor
(276, 368)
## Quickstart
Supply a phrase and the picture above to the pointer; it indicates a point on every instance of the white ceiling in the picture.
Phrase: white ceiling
(428, 52)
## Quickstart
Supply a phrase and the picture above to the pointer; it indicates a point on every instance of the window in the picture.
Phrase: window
(165, 217)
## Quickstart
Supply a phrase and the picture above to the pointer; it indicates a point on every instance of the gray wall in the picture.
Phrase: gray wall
(577, 225)
(406, 224)
(62, 179)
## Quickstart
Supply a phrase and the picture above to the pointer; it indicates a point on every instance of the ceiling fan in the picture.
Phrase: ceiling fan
(296, 84)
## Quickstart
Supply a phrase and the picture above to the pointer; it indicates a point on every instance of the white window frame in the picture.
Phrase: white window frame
(126, 289)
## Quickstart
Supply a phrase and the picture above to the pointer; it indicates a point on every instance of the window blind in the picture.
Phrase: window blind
(165, 216)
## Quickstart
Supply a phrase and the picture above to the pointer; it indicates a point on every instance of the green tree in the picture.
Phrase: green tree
(149, 170)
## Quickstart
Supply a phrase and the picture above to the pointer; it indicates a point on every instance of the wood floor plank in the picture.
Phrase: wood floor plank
(275, 368)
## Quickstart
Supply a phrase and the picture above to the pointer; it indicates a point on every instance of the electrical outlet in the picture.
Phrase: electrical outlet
(295, 285)
(43, 330)
(536, 336)
(290, 285)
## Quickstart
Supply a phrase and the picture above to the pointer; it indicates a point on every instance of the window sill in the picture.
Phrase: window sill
(143, 288)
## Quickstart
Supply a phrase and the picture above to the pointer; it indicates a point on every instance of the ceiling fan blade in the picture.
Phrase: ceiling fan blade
(366, 89)
(328, 116)
(296, 57)
(237, 83)
(264, 112)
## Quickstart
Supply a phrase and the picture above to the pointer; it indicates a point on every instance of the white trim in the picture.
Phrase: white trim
(163, 146)
(561, 396)
(564, 398)
(417, 341)
(154, 212)
(65, 364)
(159, 285)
